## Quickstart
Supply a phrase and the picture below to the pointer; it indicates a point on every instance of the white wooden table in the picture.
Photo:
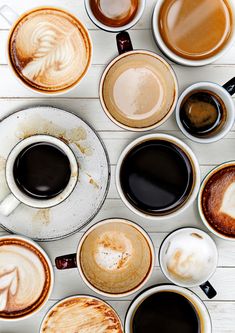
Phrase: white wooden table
(84, 102)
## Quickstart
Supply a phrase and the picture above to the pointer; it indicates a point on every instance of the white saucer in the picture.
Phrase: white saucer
(94, 173)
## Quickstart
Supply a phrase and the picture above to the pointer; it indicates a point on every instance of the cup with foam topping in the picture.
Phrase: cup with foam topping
(188, 257)
(115, 258)
(26, 278)
(49, 50)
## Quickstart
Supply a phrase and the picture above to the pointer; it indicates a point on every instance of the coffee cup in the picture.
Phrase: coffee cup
(115, 15)
(115, 258)
(216, 201)
(188, 32)
(26, 278)
(138, 89)
(188, 257)
(49, 50)
(41, 172)
(157, 176)
(205, 111)
(167, 308)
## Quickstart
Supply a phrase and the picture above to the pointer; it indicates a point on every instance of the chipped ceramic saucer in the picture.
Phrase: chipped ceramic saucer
(94, 173)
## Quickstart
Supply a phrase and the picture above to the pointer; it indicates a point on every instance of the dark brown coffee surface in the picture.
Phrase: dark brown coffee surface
(166, 312)
(195, 30)
(202, 113)
(114, 13)
(217, 201)
(42, 170)
(156, 177)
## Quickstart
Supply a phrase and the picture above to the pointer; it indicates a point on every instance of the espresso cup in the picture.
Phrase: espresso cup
(213, 107)
(115, 15)
(157, 176)
(188, 32)
(216, 201)
(138, 89)
(188, 257)
(167, 308)
(26, 278)
(115, 258)
(49, 50)
(41, 172)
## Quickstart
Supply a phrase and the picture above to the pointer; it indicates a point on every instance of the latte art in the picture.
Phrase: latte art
(50, 50)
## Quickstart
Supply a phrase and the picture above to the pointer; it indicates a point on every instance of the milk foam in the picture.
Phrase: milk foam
(115, 9)
(228, 202)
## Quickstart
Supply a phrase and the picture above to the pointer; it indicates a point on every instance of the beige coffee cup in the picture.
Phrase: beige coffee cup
(115, 258)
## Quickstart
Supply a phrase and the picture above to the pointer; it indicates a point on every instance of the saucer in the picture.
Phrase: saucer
(94, 174)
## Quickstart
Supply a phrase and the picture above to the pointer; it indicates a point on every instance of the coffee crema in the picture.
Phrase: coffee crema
(81, 314)
(195, 30)
(25, 278)
(49, 50)
(217, 201)
(115, 257)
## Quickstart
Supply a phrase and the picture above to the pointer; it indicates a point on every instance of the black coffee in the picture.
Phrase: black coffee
(156, 177)
(42, 170)
(166, 312)
(202, 113)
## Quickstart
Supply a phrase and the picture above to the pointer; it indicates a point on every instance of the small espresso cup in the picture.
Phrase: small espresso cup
(17, 195)
(223, 96)
(138, 89)
(115, 15)
(157, 176)
(49, 50)
(188, 257)
(115, 258)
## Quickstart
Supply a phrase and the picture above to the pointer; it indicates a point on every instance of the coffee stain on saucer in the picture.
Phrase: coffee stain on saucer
(2, 163)
(42, 216)
(92, 181)
(195, 235)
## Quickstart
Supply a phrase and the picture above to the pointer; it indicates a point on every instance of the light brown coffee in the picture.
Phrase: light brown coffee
(138, 90)
(114, 13)
(50, 50)
(115, 257)
(25, 278)
(195, 30)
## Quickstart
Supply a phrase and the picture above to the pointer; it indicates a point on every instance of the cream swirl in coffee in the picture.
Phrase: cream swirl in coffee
(50, 49)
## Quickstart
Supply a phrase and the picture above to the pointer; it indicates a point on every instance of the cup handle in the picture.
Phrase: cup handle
(230, 86)
(208, 289)
(66, 262)
(8, 205)
(124, 43)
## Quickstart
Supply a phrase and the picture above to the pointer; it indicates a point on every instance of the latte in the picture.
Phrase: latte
(25, 278)
(49, 49)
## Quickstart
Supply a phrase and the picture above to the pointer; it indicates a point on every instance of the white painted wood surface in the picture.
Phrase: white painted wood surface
(84, 102)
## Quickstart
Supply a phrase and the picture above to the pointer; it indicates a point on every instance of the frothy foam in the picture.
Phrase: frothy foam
(228, 203)
(115, 9)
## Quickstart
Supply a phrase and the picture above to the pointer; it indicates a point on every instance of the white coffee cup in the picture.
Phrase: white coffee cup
(225, 92)
(140, 10)
(12, 201)
(202, 311)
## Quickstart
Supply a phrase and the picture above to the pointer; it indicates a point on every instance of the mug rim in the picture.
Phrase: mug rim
(107, 28)
(10, 65)
(26, 199)
(193, 161)
(52, 275)
(187, 293)
(160, 257)
(202, 85)
(200, 210)
(174, 100)
(129, 223)
(178, 59)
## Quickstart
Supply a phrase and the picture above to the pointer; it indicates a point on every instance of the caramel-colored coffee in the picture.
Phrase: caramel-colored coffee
(114, 13)
(195, 30)
(49, 50)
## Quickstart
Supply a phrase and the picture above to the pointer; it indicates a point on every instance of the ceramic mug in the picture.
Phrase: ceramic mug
(17, 196)
(225, 93)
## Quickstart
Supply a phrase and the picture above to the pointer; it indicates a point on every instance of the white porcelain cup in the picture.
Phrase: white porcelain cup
(176, 58)
(203, 314)
(224, 92)
(140, 11)
(16, 196)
